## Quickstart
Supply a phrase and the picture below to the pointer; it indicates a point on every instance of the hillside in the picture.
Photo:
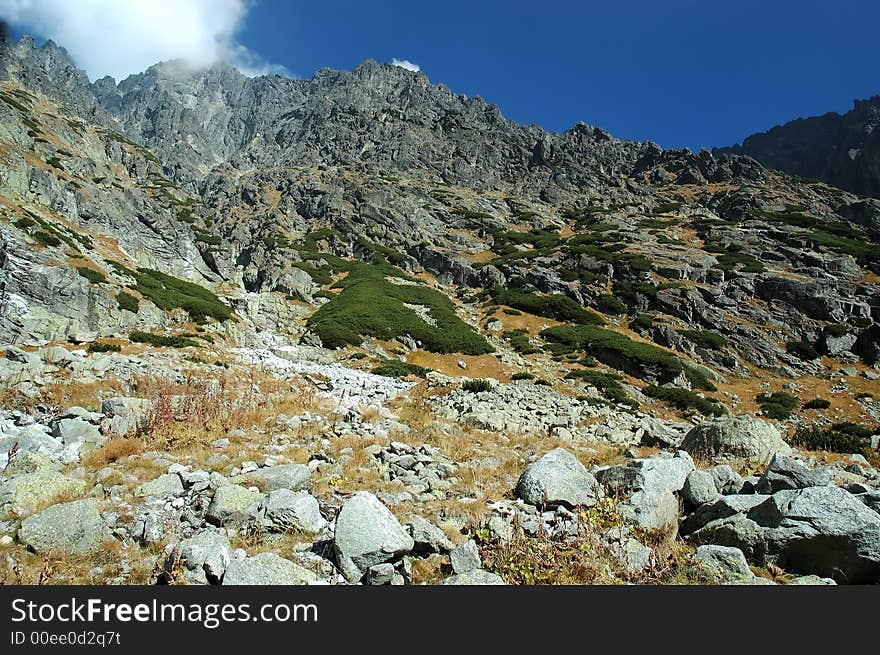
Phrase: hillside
(265, 314)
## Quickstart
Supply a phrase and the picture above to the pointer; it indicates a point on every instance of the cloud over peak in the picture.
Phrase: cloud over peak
(407, 64)
(121, 37)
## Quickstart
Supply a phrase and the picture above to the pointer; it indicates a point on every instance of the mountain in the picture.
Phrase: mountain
(842, 150)
(365, 282)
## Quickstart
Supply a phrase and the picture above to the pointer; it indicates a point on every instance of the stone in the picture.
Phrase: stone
(74, 528)
(785, 472)
(126, 414)
(558, 478)
(743, 437)
(283, 476)
(699, 489)
(267, 569)
(724, 562)
(204, 556)
(427, 537)
(26, 461)
(28, 492)
(294, 510)
(168, 484)
(466, 557)
(234, 505)
(367, 534)
(727, 481)
(77, 431)
(816, 530)
(629, 551)
(475, 577)
(724, 507)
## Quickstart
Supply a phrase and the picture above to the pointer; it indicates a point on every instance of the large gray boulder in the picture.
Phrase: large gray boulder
(28, 492)
(267, 569)
(699, 489)
(125, 414)
(283, 476)
(477, 577)
(744, 437)
(466, 557)
(293, 510)
(558, 478)
(234, 505)
(204, 557)
(168, 484)
(367, 534)
(74, 528)
(817, 530)
(726, 563)
(786, 472)
(648, 489)
(427, 537)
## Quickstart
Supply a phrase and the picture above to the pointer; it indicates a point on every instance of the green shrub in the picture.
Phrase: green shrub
(684, 399)
(611, 305)
(47, 239)
(641, 323)
(98, 347)
(93, 276)
(512, 312)
(477, 386)
(777, 405)
(370, 305)
(619, 351)
(607, 383)
(522, 375)
(836, 330)
(817, 403)
(704, 338)
(161, 340)
(24, 223)
(543, 382)
(839, 438)
(128, 302)
(519, 339)
(394, 368)
(802, 350)
(555, 306)
(168, 292)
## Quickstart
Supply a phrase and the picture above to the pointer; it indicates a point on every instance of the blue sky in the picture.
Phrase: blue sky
(689, 73)
(679, 72)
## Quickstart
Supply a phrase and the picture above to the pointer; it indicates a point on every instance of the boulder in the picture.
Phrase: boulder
(699, 489)
(126, 414)
(294, 510)
(28, 492)
(77, 431)
(283, 476)
(204, 557)
(234, 505)
(367, 534)
(743, 437)
(475, 577)
(726, 563)
(558, 478)
(785, 472)
(267, 569)
(727, 481)
(466, 557)
(817, 530)
(168, 484)
(74, 528)
(427, 537)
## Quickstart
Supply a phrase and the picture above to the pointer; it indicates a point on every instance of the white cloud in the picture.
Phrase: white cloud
(407, 64)
(121, 37)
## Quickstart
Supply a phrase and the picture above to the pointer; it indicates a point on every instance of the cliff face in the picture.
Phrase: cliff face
(842, 150)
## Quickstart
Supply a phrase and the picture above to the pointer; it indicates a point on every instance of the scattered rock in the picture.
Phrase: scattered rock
(74, 528)
(558, 478)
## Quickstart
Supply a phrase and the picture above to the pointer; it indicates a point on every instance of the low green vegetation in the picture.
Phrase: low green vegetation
(522, 375)
(98, 347)
(93, 276)
(704, 338)
(168, 292)
(610, 305)
(555, 306)
(618, 351)
(684, 399)
(839, 438)
(519, 340)
(607, 383)
(394, 368)
(127, 302)
(777, 405)
(802, 350)
(476, 386)
(161, 340)
(370, 305)
(817, 403)
(47, 239)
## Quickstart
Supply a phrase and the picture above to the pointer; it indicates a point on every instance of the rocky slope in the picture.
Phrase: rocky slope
(842, 150)
(244, 317)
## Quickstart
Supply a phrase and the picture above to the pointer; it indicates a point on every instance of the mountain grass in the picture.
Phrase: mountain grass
(555, 306)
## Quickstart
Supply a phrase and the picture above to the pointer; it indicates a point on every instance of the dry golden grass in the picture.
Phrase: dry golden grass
(115, 449)
(53, 569)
